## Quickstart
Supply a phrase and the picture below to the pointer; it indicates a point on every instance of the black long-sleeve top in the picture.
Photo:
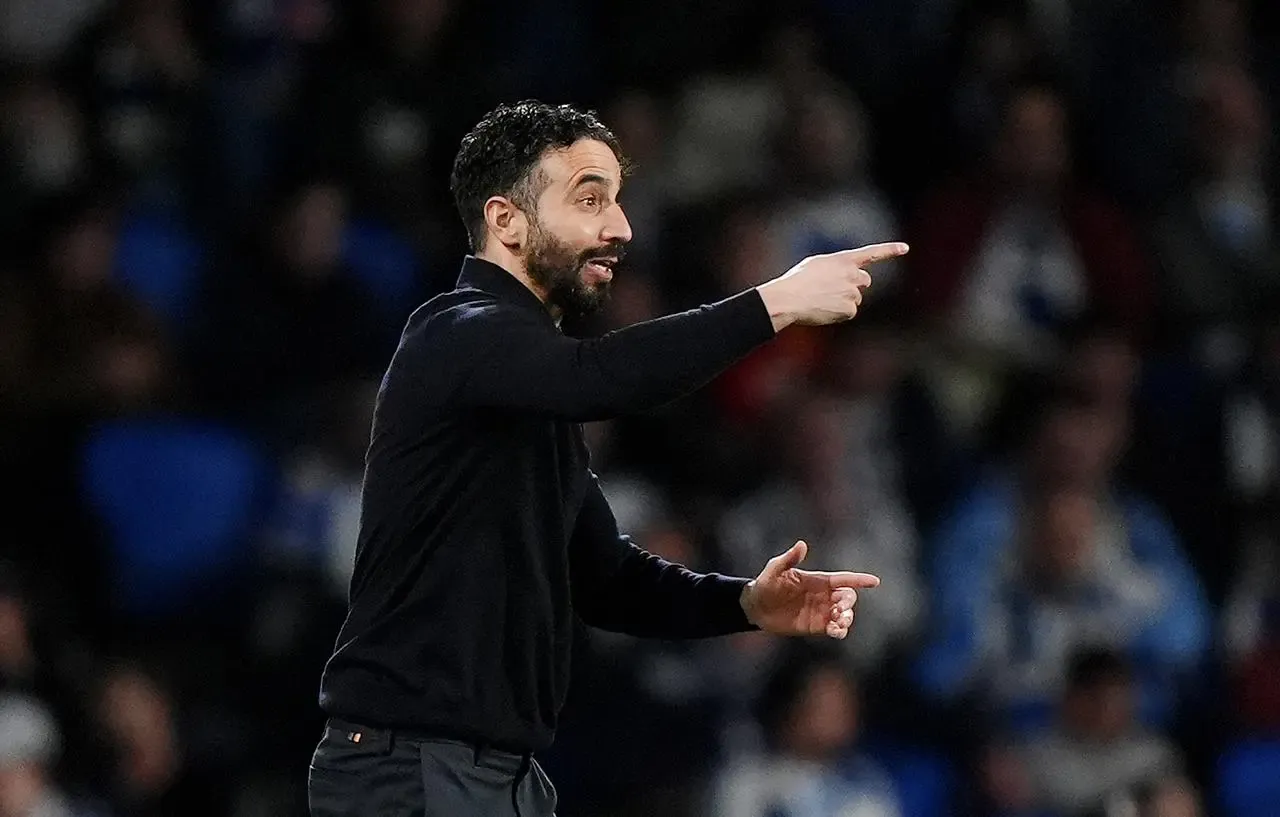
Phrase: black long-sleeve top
(483, 532)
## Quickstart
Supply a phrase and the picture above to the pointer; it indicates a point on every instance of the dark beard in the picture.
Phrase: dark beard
(557, 269)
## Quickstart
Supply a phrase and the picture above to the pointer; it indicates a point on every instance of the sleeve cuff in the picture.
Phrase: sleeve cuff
(726, 608)
(751, 316)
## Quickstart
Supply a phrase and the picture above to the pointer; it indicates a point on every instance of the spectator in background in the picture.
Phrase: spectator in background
(1065, 558)
(314, 527)
(259, 67)
(996, 50)
(29, 745)
(828, 202)
(136, 371)
(45, 153)
(311, 324)
(40, 663)
(864, 458)
(1004, 259)
(381, 107)
(77, 348)
(1097, 755)
(152, 775)
(811, 764)
(741, 255)
(1147, 63)
(725, 122)
(1217, 243)
(307, 553)
(1174, 440)
(820, 498)
(98, 349)
(1251, 625)
(668, 697)
(1066, 33)
(140, 77)
(1103, 363)
(870, 369)
(638, 502)
(1177, 797)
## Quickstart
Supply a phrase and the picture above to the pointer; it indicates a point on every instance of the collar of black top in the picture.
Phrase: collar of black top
(487, 276)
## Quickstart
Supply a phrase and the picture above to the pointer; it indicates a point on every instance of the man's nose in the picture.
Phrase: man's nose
(616, 227)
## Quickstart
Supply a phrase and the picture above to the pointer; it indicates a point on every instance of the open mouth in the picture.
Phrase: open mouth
(601, 268)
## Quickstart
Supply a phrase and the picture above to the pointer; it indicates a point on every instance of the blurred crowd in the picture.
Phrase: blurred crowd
(1054, 431)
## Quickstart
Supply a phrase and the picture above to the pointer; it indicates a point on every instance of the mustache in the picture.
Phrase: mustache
(616, 250)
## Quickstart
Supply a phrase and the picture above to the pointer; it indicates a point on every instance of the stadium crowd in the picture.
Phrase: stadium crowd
(1054, 431)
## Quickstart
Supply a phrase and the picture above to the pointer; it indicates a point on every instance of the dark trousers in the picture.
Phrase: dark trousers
(383, 773)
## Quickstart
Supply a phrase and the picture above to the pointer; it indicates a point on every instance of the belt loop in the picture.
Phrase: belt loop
(476, 749)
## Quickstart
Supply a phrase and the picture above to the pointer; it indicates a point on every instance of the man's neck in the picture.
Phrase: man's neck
(516, 269)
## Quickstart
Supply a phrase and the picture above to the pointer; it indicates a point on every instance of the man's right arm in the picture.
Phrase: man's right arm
(515, 360)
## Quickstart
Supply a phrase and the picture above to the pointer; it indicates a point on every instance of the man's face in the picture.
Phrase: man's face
(578, 232)
(1107, 369)
(1101, 711)
(1062, 543)
(824, 721)
(1081, 446)
(1036, 154)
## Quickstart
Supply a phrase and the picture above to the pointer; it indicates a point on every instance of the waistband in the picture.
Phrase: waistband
(488, 755)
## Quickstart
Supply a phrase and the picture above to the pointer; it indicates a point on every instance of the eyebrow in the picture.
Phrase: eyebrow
(592, 178)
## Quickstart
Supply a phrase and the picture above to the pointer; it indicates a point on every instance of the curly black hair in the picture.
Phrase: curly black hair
(499, 155)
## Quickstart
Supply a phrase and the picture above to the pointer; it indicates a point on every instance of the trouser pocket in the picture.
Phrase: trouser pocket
(359, 772)
(349, 749)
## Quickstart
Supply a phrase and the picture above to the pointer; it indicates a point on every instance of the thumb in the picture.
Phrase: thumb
(783, 562)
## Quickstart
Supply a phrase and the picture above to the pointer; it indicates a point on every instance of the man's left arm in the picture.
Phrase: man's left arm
(620, 587)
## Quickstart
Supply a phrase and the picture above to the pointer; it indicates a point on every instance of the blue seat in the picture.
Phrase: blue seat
(385, 263)
(178, 501)
(161, 263)
(1248, 779)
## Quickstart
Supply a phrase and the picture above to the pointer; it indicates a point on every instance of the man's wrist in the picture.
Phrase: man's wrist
(747, 600)
(778, 303)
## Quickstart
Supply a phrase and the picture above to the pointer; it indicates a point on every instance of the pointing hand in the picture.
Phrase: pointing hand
(824, 289)
(788, 601)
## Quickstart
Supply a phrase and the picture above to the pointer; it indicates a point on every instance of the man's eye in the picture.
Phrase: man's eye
(590, 201)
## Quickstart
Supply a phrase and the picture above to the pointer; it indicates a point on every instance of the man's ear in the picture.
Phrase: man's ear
(506, 222)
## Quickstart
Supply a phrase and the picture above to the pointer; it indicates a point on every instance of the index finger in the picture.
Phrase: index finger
(873, 253)
(855, 580)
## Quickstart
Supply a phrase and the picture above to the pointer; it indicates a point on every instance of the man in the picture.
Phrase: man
(483, 532)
